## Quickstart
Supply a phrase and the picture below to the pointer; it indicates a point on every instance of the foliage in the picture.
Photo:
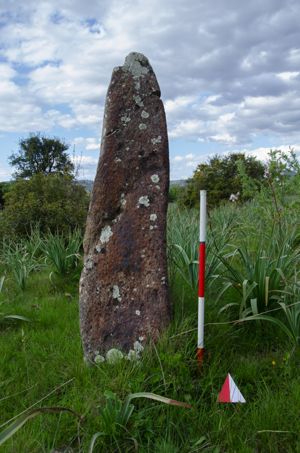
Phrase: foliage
(4, 188)
(287, 316)
(19, 261)
(38, 154)
(5, 317)
(20, 421)
(54, 202)
(38, 358)
(220, 177)
(62, 252)
(175, 193)
(116, 414)
(260, 275)
(183, 242)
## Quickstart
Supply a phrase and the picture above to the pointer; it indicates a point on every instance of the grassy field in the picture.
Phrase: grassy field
(253, 265)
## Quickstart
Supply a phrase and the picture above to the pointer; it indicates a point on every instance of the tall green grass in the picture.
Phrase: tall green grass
(41, 363)
(62, 253)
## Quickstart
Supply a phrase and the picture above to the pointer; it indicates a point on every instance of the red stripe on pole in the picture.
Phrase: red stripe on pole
(201, 269)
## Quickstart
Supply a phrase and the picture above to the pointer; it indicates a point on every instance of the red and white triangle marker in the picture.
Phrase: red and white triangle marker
(230, 392)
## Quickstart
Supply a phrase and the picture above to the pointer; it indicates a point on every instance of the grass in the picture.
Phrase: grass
(41, 365)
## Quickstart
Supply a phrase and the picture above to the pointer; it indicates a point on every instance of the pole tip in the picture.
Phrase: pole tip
(200, 355)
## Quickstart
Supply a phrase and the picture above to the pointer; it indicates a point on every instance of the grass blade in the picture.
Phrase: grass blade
(161, 399)
(19, 422)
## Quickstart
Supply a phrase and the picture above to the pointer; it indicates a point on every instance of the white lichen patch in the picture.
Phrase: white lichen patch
(98, 248)
(117, 160)
(137, 85)
(153, 217)
(137, 64)
(151, 227)
(156, 140)
(145, 114)
(133, 355)
(141, 338)
(106, 234)
(116, 293)
(155, 179)
(138, 347)
(144, 201)
(123, 200)
(125, 119)
(142, 126)
(114, 356)
(99, 358)
(138, 100)
(137, 312)
(89, 263)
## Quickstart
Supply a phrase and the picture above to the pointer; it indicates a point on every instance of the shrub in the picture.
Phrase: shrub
(220, 176)
(54, 202)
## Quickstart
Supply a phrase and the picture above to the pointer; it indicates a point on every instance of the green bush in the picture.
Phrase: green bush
(54, 202)
(221, 177)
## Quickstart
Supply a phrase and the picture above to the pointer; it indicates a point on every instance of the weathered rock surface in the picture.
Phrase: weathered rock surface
(123, 286)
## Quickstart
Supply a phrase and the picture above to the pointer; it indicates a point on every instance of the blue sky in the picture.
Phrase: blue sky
(228, 71)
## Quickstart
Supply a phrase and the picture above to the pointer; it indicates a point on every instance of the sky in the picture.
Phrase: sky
(229, 73)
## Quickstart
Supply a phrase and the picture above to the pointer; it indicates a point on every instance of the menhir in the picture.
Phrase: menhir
(123, 287)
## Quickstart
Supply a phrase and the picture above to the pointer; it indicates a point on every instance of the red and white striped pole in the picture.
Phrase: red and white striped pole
(201, 285)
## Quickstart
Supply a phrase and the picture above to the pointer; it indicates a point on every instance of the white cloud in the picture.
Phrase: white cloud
(288, 76)
(229, 72)
(225, 138)
(89, 143)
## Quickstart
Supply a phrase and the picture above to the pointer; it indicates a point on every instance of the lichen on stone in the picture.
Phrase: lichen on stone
(138, 100)
(123, 200)
(116, 293)
(153, 217)
(145, 114)
(99, 358)
(133, 355)
(137, 64)
(125, 119)
(138, 347)
(142, 126)
(156, 140)
(106, 234)
(144, 201)
(155, 179)
(114, 356)
(89, 263)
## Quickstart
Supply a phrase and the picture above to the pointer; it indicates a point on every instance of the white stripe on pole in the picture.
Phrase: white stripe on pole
(202, 229)
(200, 323)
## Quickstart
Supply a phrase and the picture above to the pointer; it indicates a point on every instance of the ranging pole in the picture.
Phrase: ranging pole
(202, 238)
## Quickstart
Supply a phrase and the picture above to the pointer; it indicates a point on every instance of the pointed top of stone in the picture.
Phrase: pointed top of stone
(137, 64)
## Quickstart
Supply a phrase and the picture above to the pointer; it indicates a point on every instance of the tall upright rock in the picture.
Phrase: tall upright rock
(123, 286)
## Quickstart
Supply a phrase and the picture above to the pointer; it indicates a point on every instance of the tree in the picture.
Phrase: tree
(53, 202)
(40, 154)
(4, 188)
(221, 177)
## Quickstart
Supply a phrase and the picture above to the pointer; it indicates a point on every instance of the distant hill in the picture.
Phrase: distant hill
(178, 182)
(88, 183)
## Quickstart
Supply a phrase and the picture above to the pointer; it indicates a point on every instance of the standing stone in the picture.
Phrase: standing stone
(123, 287)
